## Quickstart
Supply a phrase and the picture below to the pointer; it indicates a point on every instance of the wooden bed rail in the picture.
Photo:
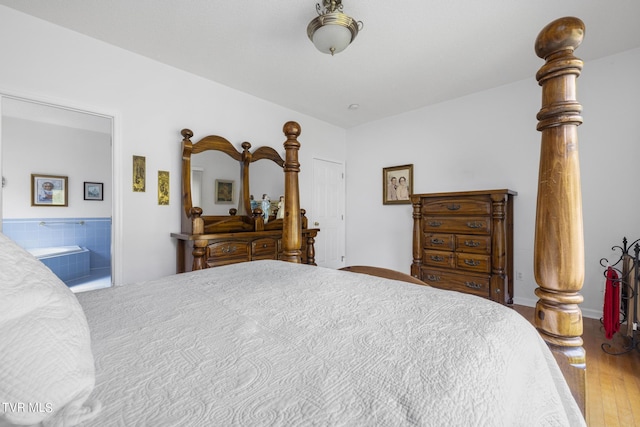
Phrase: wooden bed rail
(559, 241)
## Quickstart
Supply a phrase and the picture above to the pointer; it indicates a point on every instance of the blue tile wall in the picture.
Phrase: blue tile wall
(91, 233)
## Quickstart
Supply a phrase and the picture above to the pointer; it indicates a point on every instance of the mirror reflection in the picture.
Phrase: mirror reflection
(266, 180)
(219, 182)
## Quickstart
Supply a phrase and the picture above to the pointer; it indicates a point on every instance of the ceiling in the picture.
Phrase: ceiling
(409, 54)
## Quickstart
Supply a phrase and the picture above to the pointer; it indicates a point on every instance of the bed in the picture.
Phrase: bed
(270, 343)
(279, 343)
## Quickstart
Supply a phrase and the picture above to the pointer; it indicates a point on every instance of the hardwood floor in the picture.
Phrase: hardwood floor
(613, 382)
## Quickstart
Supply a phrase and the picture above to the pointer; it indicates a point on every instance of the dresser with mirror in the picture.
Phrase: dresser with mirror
(233, 204)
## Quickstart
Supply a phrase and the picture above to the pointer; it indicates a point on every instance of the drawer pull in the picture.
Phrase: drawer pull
(472, 263)
(264, 245)
(435, 241)
(471, 243)
(433, 278)
(229, 249)
(453, 207)
(475, 224)
(473, 285)
(434, 223)
(437, 258)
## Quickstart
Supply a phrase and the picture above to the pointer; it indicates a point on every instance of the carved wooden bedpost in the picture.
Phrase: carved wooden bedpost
(559, 241)
(292, 230)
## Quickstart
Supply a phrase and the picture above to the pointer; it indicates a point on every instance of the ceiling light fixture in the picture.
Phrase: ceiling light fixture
(332, 31)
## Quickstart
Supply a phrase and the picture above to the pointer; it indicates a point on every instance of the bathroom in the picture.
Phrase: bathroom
(65, 153)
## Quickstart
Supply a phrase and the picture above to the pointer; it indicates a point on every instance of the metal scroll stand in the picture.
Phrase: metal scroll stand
(629, 293)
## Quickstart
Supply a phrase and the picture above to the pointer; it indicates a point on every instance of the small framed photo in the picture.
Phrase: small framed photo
(93, 191)
(224, 192)
(48, 190)
(397, 185)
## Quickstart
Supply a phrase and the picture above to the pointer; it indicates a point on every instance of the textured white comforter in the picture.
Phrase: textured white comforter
(270, 343)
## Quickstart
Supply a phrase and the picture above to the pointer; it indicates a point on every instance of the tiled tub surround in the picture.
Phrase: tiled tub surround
(92, 235)
(67, 262)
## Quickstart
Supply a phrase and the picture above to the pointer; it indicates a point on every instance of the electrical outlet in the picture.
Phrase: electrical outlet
(518, 275)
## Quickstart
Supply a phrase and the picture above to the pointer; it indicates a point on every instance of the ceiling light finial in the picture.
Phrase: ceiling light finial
(332, 31)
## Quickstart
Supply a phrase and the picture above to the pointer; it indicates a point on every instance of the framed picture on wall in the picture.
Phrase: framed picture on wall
(139, 174)
(224, 191)
(163, 188)
(48, 190)
(93, 191)
(397, 185)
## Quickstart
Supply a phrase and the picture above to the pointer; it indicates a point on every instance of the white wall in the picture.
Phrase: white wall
(489, 141)
(152, 103)
(33, 147)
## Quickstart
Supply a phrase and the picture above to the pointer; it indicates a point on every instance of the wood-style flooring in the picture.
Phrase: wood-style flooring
(613, 382)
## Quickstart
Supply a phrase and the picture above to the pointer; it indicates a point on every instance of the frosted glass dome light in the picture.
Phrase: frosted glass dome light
(332, 31)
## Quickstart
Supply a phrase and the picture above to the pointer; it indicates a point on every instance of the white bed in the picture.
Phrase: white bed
(271, 343)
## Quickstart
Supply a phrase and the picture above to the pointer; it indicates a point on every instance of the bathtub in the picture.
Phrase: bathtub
(66, 262)
(41, 253)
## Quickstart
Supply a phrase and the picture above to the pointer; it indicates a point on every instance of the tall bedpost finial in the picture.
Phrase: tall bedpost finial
(559, 241)
(292, 228)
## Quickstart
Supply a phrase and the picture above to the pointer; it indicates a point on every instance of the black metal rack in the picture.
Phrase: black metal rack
(627, 268)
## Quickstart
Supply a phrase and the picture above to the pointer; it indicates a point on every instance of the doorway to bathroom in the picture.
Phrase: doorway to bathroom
(57, 188)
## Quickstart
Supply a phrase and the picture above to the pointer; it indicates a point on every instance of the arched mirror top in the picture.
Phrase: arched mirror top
(242, 160)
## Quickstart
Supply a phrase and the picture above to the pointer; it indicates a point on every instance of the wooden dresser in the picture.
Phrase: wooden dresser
(463, 241)
(231, 248)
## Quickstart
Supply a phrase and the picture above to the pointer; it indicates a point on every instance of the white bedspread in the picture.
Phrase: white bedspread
(270, 343)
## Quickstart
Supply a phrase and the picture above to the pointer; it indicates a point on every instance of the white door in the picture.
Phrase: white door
(327, 212)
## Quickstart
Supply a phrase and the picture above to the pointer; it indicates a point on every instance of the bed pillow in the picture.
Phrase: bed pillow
(46, 365)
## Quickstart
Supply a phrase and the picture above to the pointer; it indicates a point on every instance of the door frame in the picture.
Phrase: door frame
(116, 166)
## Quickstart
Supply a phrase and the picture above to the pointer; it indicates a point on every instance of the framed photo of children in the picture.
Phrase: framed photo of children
(93, 191)
(48, 190)
(397, 185)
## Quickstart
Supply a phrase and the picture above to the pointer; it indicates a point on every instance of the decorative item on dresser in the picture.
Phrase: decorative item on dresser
(245, 234)
(463, 241)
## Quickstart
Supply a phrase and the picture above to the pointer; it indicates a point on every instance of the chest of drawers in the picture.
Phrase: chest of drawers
(463, 241)
(231, 248)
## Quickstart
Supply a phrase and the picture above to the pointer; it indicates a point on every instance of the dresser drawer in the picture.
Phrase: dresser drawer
(264, 249)
(473, 262)
(468, 283)
(444, 242)
(475, 244)
(223, 253)
(463, 225)
(460, 206)
(439, 258)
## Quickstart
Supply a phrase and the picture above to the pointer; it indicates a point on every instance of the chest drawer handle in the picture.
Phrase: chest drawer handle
(471, 243)
(472, 263)
(433, 278)
(434, 223)
(437, 258)
(453, 207)
(264, 245)
(473, 285)
(475, 224)
(229, 249)
(437, 241)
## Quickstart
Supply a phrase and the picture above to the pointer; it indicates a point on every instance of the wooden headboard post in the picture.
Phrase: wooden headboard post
(559, 241)
(292, 227)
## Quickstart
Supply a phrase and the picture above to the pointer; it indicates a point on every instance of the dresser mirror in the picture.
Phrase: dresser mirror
(220, 180)
(262, 180)
(207, 169)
